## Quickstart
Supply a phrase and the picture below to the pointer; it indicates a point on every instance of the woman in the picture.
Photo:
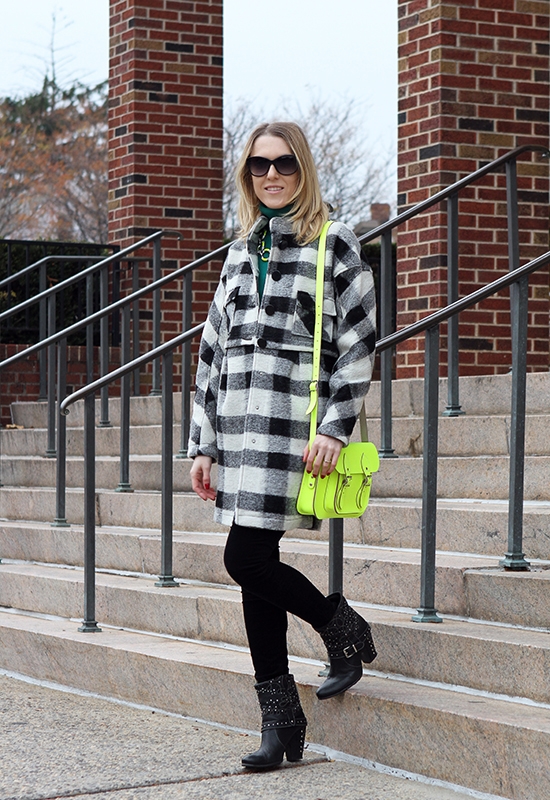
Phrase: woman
(250, 415)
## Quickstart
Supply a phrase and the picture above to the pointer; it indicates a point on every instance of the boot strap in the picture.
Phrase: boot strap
(349, 650)
(297, 722)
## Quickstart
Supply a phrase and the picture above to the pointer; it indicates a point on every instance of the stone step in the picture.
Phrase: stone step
(466, 585)
(479, 395)
(144, 410)
(462, 737)
(144, 440)
(478, 478)
(443, 653)
(458, 436)
(468, 526)
(145, 472)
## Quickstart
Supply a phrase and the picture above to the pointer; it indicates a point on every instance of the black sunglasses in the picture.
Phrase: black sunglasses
(285, 165)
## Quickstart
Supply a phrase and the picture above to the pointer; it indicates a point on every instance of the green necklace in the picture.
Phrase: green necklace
(263, 250)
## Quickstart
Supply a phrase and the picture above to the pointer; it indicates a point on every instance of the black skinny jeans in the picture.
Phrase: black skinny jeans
(270, 589)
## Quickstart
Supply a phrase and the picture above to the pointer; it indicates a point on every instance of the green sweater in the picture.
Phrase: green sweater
(266, 242)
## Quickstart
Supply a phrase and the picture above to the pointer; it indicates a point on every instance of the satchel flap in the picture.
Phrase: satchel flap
(357, 458)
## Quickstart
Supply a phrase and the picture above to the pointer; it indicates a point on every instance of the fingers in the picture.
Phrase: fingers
(323, 456)
(200, 478)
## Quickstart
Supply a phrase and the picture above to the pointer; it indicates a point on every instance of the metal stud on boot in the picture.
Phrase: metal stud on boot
(348, 640)
(283, 724)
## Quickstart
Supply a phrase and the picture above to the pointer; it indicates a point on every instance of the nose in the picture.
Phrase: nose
(272, 172)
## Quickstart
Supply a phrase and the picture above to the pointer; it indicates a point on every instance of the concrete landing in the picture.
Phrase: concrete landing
(62, 743)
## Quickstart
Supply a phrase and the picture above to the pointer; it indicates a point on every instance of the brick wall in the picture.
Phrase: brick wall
(165, 138)
(21, 381)
(473, 84)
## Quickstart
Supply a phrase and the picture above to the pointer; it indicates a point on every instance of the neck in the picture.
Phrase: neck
(275, 212)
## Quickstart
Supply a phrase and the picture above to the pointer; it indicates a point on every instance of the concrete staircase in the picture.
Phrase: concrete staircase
(466, 701)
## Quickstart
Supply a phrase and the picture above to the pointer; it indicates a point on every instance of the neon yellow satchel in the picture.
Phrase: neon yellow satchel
(346, 491)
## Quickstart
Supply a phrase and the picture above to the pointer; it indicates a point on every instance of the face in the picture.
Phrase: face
(272, 189)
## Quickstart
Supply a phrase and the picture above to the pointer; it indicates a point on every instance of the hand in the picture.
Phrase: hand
(200, 478)
(322, 457)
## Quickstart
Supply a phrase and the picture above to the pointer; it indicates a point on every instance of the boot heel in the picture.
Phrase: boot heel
(368, 653)
(295, 746)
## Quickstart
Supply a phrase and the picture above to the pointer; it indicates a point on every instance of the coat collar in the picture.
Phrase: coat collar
(280, 225)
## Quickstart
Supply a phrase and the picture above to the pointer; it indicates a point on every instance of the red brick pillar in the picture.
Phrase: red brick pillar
(473, 84)
(166, 136)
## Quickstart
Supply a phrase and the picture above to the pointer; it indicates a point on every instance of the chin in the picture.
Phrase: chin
(275, 202)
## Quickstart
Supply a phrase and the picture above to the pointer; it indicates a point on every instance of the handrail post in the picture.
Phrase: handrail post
(60, 520)
(166, 578)
(104, 346)
(336, 556)
(89, 624)
(386, 356)
(519, 299)
(135, 327)
(155, 388)
(512, 213)
(52, 348)
(89, 329)
(335, 565)
(124, 483)
(453, 408)
(42, 332)
(519, 296)
(427, 611)
(186, 366)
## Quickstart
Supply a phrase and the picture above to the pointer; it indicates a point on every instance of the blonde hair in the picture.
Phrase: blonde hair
(309, 212)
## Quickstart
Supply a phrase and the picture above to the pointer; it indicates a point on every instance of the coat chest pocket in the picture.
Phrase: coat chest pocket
(304, 316)
(230, 306)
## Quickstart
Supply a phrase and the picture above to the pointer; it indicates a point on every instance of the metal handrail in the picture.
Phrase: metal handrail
(387, 283)
(97, 315)
(452, 189)
(118, 256)
(126, 369)
(514, 558)
(48, 296)
(42, 314)
(61, 337)
(442, 314)
(37, 264)
(165, 353)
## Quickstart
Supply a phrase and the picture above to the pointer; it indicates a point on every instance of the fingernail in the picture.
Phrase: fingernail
(207, 486)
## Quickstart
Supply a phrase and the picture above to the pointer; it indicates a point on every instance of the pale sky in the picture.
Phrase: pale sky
(295, 50)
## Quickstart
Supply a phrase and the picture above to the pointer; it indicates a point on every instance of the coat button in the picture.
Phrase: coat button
(276, 275)
(262, 342)
(283, 244)
(269, 310)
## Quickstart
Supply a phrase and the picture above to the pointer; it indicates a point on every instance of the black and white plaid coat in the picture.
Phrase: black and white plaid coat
(255, 369)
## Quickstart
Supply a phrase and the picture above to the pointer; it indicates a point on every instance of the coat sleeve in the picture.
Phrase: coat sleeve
(202, 433)
(354, 337)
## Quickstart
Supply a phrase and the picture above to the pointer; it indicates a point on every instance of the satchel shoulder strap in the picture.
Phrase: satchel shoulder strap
(317, 338)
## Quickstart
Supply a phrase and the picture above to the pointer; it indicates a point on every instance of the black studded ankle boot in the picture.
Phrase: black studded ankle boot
(283, 724)
(348, 640)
